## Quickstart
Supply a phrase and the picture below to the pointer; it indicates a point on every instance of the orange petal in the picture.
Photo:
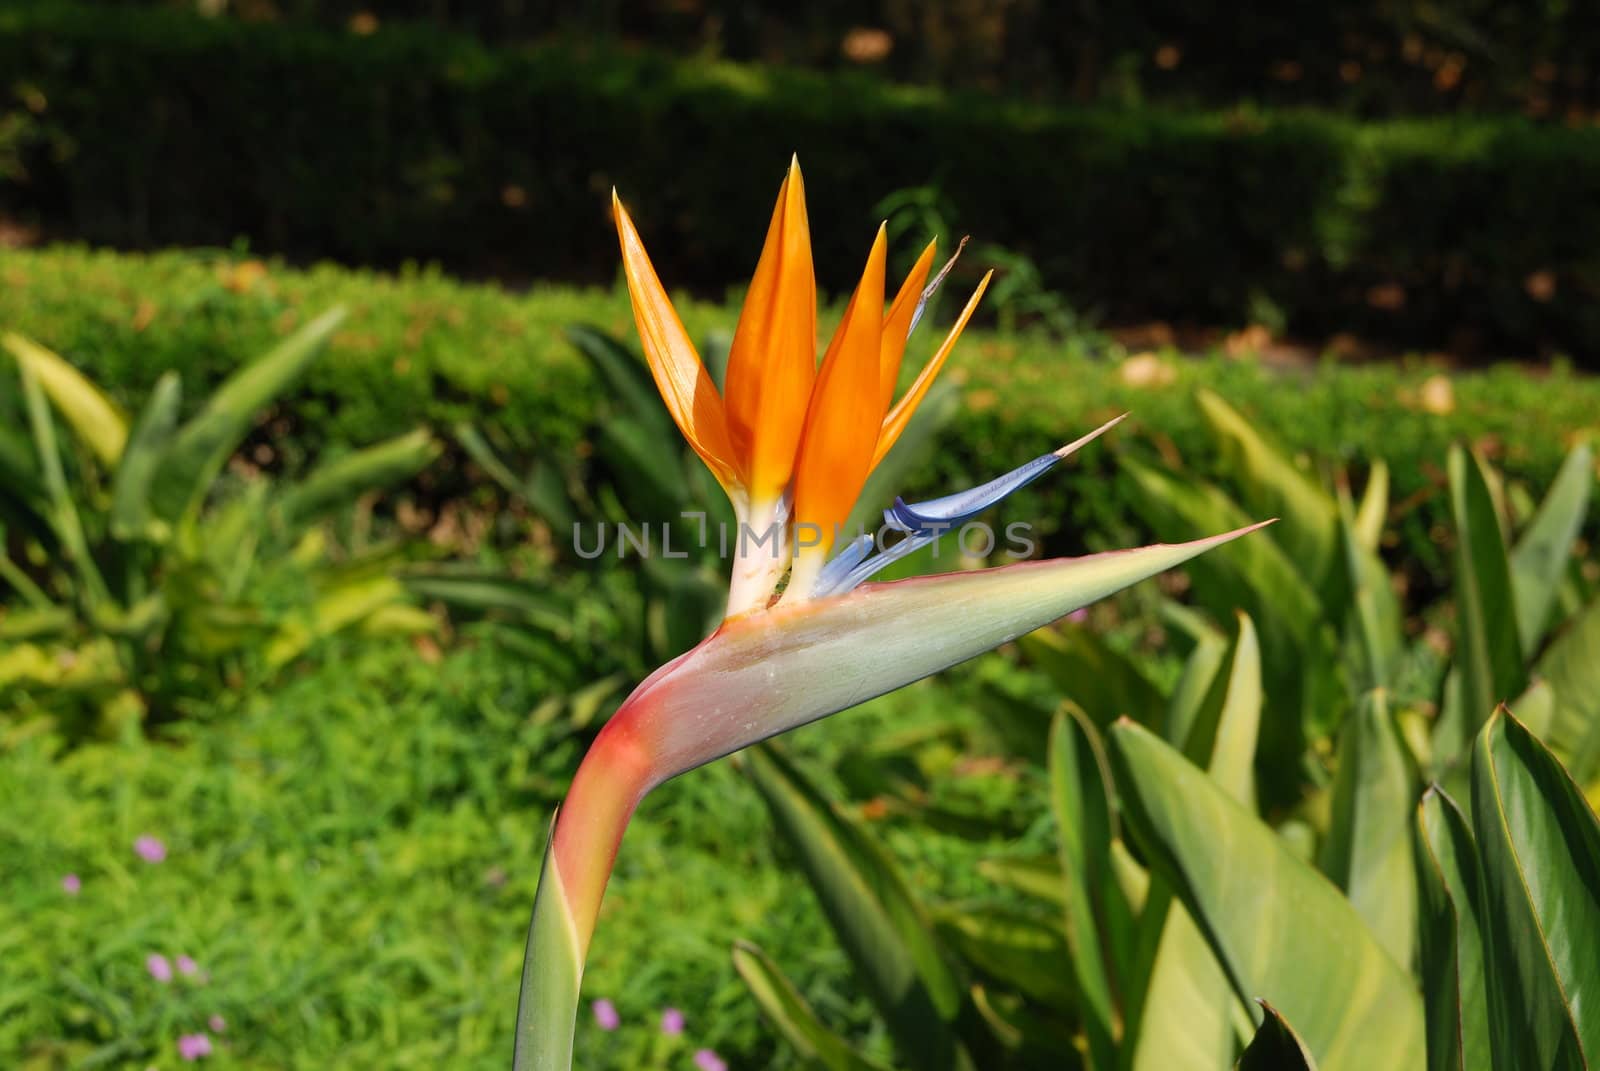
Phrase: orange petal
(900, 415)
(772, 363)
(685, 386)
(897, 325)
(842, 420)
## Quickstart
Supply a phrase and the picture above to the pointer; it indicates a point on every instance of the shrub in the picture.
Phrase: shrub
(155, 126)
(133, 588)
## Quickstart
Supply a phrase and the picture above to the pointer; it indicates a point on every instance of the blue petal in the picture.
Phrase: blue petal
(846, 580)
(933, 288)
(843, 562)
(964, 505)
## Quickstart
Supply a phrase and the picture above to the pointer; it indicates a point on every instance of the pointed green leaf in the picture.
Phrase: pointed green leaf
(1540, 846)
(1374, 508)
(1570, 670)
(341, 481)
(1186, 985)
(1541, 554)
(1018, 949)
(1488, 651)
(1374, 637)
(130, 490)
(881, 926)
(1097, 917)
(783, 1006)
(552, 972)
(64, 517)
(1273, 486)
(1450, 909)
(1367, 852)
(1275, 1046)
(1304, 693)
(93, 417)
(203, 444)
(1276, 926)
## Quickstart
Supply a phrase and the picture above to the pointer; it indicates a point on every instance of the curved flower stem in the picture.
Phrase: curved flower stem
(584, 837)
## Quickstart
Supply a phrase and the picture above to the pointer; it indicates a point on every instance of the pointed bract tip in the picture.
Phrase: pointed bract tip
(1085, 440)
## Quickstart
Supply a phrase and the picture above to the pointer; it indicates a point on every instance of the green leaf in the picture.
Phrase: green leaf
(1374, 637)
(1545, 547)
(629, 379)
(1304, 693)
(203, 444)
(64, 517)
(1277, 926)
(881, 926)
(1488, 651)
(1540, 846)
(788, 1013)
(1374, 508)
(1104, 684)
(1273, 486)
(1275, 1046)
(130, 489)
(552, 973)
(1570, 670)
(1450, 921)
(1099, 923)
(1368, 852)
(93, 417)
(342, 481)
(1016, 948)
(1186, 985)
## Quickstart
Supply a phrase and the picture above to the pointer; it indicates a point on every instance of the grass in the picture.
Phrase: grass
(351, 862)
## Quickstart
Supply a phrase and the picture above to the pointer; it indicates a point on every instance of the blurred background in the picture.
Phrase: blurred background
(295, 597)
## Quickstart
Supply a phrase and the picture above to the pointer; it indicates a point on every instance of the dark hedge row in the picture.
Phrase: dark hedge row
(139, 127)
(423, 348)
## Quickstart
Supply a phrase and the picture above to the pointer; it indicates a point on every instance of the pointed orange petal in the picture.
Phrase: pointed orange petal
(772, 364)
(900, 415)
(842, 420)
(685, 386)
(897, 325)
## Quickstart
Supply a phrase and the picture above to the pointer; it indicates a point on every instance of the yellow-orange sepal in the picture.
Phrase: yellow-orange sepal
(773, 359)
(680, 376)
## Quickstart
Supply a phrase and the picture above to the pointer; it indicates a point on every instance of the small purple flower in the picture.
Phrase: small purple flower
(187, 966)
(671, 1022)
(1078, 616)
(706, 1060)
(217, 1024)
(605, 1013)
(71, 884)
(149, 848)
(159, 968)
(193, 1046)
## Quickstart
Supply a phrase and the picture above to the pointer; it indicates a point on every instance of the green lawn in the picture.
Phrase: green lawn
(351, 862)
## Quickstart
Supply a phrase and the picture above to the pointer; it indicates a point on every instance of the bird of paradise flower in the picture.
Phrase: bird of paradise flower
(805, 634)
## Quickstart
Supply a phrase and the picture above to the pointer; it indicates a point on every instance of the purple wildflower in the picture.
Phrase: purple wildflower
(672, 1022)
(149, 848)
(70, 884)
(187, 966)
(605, 1013)
(217, 1024)
(159, 968)
(193, 1046)
(706, 1060)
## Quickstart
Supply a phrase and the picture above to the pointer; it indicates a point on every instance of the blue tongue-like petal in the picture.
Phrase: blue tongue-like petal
(925, 522)
(965, 505)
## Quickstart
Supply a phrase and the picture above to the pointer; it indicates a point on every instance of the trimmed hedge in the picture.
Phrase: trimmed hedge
(159, 127)
(421, 347)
